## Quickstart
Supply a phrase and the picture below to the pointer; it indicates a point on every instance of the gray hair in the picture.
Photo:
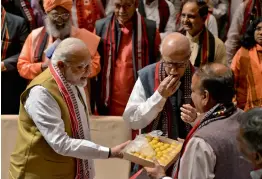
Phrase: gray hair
(67, 49)
(251, 125)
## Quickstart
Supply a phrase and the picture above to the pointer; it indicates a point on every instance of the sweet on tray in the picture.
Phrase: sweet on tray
(146, 148)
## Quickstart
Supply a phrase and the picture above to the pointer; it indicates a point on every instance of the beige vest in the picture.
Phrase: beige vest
(33, 158)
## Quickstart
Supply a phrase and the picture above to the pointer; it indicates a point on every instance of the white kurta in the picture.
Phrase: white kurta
(141, 111)
(46, 114)
(152, 13)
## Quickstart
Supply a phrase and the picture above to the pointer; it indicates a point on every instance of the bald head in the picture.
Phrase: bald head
(175, 46)
(71, 50)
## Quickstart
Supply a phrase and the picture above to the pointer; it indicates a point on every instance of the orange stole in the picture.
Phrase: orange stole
(123, 77)
(247, 67)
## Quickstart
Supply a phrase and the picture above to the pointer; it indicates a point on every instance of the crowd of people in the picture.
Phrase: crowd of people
(185, 67)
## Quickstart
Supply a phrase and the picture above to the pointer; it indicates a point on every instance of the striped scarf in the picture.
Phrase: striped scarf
(252, 12)
(211, 116)
(165, 117)
(206, 50)
(75, 119)
(28, 13)
(4, 35)
(140, 55)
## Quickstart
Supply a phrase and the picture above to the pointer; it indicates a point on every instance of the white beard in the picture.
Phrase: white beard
(57, 33)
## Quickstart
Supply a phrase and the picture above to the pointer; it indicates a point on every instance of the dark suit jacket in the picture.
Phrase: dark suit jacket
(12, 84)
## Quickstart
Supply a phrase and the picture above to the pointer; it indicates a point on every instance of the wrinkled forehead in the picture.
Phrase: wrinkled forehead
(175, 54)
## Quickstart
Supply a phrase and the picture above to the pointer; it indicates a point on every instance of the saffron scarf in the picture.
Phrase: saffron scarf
(140, 54)
(166, 115)
(252, 12)
(163, 10)
(75, 119)
(212, 115)
(4, 35)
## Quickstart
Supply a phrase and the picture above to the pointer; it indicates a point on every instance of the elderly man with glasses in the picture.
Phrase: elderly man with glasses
(162, 88)
(58, 26)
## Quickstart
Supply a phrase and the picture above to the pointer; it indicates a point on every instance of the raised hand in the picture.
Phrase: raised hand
(188, 113)
(168, 86)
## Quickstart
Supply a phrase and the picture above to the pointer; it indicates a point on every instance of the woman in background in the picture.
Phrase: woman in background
(247, 68)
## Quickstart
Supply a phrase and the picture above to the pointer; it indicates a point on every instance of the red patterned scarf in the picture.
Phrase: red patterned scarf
(252, 11)
(206, 50)
(75, 119)
(165, 116)
(96, 11)
(28, 13)
(139, 48)
(212, 115)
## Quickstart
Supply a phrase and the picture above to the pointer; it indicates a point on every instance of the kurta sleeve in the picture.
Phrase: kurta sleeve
(198, 160)
(141, 111)
(26, 68)
(233, 36)
(240, 83)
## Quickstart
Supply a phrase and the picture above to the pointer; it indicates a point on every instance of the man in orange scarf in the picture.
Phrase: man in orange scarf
(32, 60)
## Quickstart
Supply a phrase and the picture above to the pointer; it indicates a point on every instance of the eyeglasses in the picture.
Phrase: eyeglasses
(63, 16)
(174, 65)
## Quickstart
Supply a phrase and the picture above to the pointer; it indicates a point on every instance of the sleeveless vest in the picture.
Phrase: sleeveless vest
(33, 158)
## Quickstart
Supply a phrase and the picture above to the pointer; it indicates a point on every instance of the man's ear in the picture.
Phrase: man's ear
(205, 97)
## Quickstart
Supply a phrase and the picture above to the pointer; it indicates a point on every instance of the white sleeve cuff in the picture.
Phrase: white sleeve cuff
(104, 152)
